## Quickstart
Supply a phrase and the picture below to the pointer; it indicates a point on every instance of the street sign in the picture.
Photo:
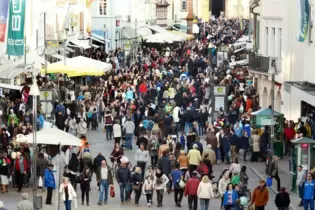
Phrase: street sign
(46, 95)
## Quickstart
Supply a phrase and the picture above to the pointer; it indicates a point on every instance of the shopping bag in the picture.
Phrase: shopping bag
(40, 182)
(112, 191)
(269, 182)
(75, 203)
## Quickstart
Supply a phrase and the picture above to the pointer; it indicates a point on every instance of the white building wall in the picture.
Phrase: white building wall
(236, 8)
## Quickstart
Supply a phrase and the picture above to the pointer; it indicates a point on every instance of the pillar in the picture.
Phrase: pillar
(190, 16)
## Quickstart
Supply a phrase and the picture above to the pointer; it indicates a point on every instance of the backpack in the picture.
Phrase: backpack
(155, 145)
(150, 125)
(236, 180)
(204, 169)
(170, 145)
(108, 119)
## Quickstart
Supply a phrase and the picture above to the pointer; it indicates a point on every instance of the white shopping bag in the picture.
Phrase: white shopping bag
(40, 182)
(75, 203)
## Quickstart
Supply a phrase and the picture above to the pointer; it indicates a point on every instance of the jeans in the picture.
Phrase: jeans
(103, 189)
(142, 165)
(123, 192)
(278, 181)
(201, 127)
(87, 194)
(159, 196)
(204, 204)
(68, 204)
(109, 131)
(192, 202)
(128, 143)
(188, 125)
(154, 160)
(308, 202)
(300, 189)
(137, 196)
(227, 157)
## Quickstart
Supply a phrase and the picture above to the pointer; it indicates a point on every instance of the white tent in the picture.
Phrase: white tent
(50, 136)
(89, 63)
(166, 37)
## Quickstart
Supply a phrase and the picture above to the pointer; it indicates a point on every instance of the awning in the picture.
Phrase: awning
(157, 29)
(131, 33)
(166, 37)
(98, 35)
(10, 87)
(84, 43)
(181, 27)
(187, 36)
(80, 66)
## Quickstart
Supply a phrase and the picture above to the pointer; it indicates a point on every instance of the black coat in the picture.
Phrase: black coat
(97, 161)
(85, 184)
(282, 199)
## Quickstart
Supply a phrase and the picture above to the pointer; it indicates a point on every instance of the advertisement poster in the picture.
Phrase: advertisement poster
(4, 4)
(305, 15)
(15, 45)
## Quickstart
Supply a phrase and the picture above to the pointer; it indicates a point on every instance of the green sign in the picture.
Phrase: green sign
(15, 43)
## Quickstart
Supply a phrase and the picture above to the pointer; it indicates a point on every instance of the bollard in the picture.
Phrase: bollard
(38, 202)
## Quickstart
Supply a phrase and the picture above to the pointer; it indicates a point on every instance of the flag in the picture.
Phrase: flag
(304, 20)
(4, 4)
(15, 44)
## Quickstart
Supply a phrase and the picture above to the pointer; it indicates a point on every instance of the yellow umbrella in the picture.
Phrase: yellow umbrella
(59, 68)
(86, 72)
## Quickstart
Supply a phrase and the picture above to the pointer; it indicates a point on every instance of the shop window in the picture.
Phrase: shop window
(307, 109)
(184, 5)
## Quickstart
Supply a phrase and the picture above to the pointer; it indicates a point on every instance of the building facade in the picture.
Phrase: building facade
(276, 26)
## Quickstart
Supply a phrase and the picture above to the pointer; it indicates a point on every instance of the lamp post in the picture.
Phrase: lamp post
(273, 72)
(37, 200)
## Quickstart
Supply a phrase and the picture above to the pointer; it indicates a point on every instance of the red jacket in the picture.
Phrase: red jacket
(191, 186)
(143, 88)
(289, 133)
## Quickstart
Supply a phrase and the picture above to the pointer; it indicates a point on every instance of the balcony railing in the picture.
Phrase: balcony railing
(258, 63)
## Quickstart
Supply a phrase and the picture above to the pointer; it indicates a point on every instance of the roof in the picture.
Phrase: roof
(266, 112)
(303, 140)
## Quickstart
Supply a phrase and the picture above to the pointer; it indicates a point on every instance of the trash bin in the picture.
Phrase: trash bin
(38, 202)
(278, 148)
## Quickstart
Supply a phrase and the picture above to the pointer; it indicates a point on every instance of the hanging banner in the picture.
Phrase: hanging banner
(15, 45)
(4, 4)
(305, 13)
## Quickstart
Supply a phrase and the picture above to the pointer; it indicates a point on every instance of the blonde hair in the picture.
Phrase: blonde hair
(65, 179)
(205, 179)
(138, 170)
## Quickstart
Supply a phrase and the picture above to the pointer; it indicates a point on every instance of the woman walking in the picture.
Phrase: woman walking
(230, 197)
(85, 180)
(4, 175)
(256, 148)
(161, 181)
(136, 180)
(67, 193)
(109, 119)
(49, 180)
(148, 188)
(273, 171)
(73, 168)
(205, 192)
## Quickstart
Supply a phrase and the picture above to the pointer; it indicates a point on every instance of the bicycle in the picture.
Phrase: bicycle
(114, 165)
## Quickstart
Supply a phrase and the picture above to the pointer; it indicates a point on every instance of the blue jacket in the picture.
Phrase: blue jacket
(60, 108)
(308, 190)
(49, 180)
(234, 198)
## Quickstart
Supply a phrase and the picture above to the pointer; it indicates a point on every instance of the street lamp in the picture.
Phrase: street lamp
(273, 72)
(34, 92)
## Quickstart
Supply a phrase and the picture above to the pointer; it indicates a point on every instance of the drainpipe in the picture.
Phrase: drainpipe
(251, 9)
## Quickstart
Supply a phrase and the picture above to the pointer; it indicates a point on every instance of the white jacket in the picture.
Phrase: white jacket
(223, 183)
(82, 128)
(71, 191)
(175, 116)
(163, 185)
(117, 130)
(205, 190)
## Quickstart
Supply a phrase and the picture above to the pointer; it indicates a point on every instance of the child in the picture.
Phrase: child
(148, 188)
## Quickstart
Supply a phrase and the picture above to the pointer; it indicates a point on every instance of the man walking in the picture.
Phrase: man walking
(25, 204)
(49, 180)
(129, 128)
(308, 192)
(191, 190)
(123, 177)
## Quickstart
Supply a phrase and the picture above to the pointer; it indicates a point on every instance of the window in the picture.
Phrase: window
(103, 7)
(257, 36)
(184, 5)
(273, 40)
(267, 41)
(280, 42)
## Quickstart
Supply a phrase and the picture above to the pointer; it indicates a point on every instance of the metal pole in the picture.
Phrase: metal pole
(272, 130)
(34, 144)
(25, 50)
(45, 46)
(65, 49)
(105, 38)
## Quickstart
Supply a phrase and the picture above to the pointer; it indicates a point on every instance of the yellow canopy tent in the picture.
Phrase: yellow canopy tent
(187, 36)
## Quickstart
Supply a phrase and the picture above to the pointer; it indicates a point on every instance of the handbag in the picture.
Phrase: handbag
(112, 191)
(269, 181)
(40, 182)
(135, 187)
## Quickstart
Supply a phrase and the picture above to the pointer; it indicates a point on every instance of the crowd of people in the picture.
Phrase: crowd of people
(159, 102)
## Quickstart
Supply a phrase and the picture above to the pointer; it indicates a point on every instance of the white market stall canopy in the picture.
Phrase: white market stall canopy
(11, 87)
(50, 136)
(165, 37)
(157, 29)
(80, 43)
